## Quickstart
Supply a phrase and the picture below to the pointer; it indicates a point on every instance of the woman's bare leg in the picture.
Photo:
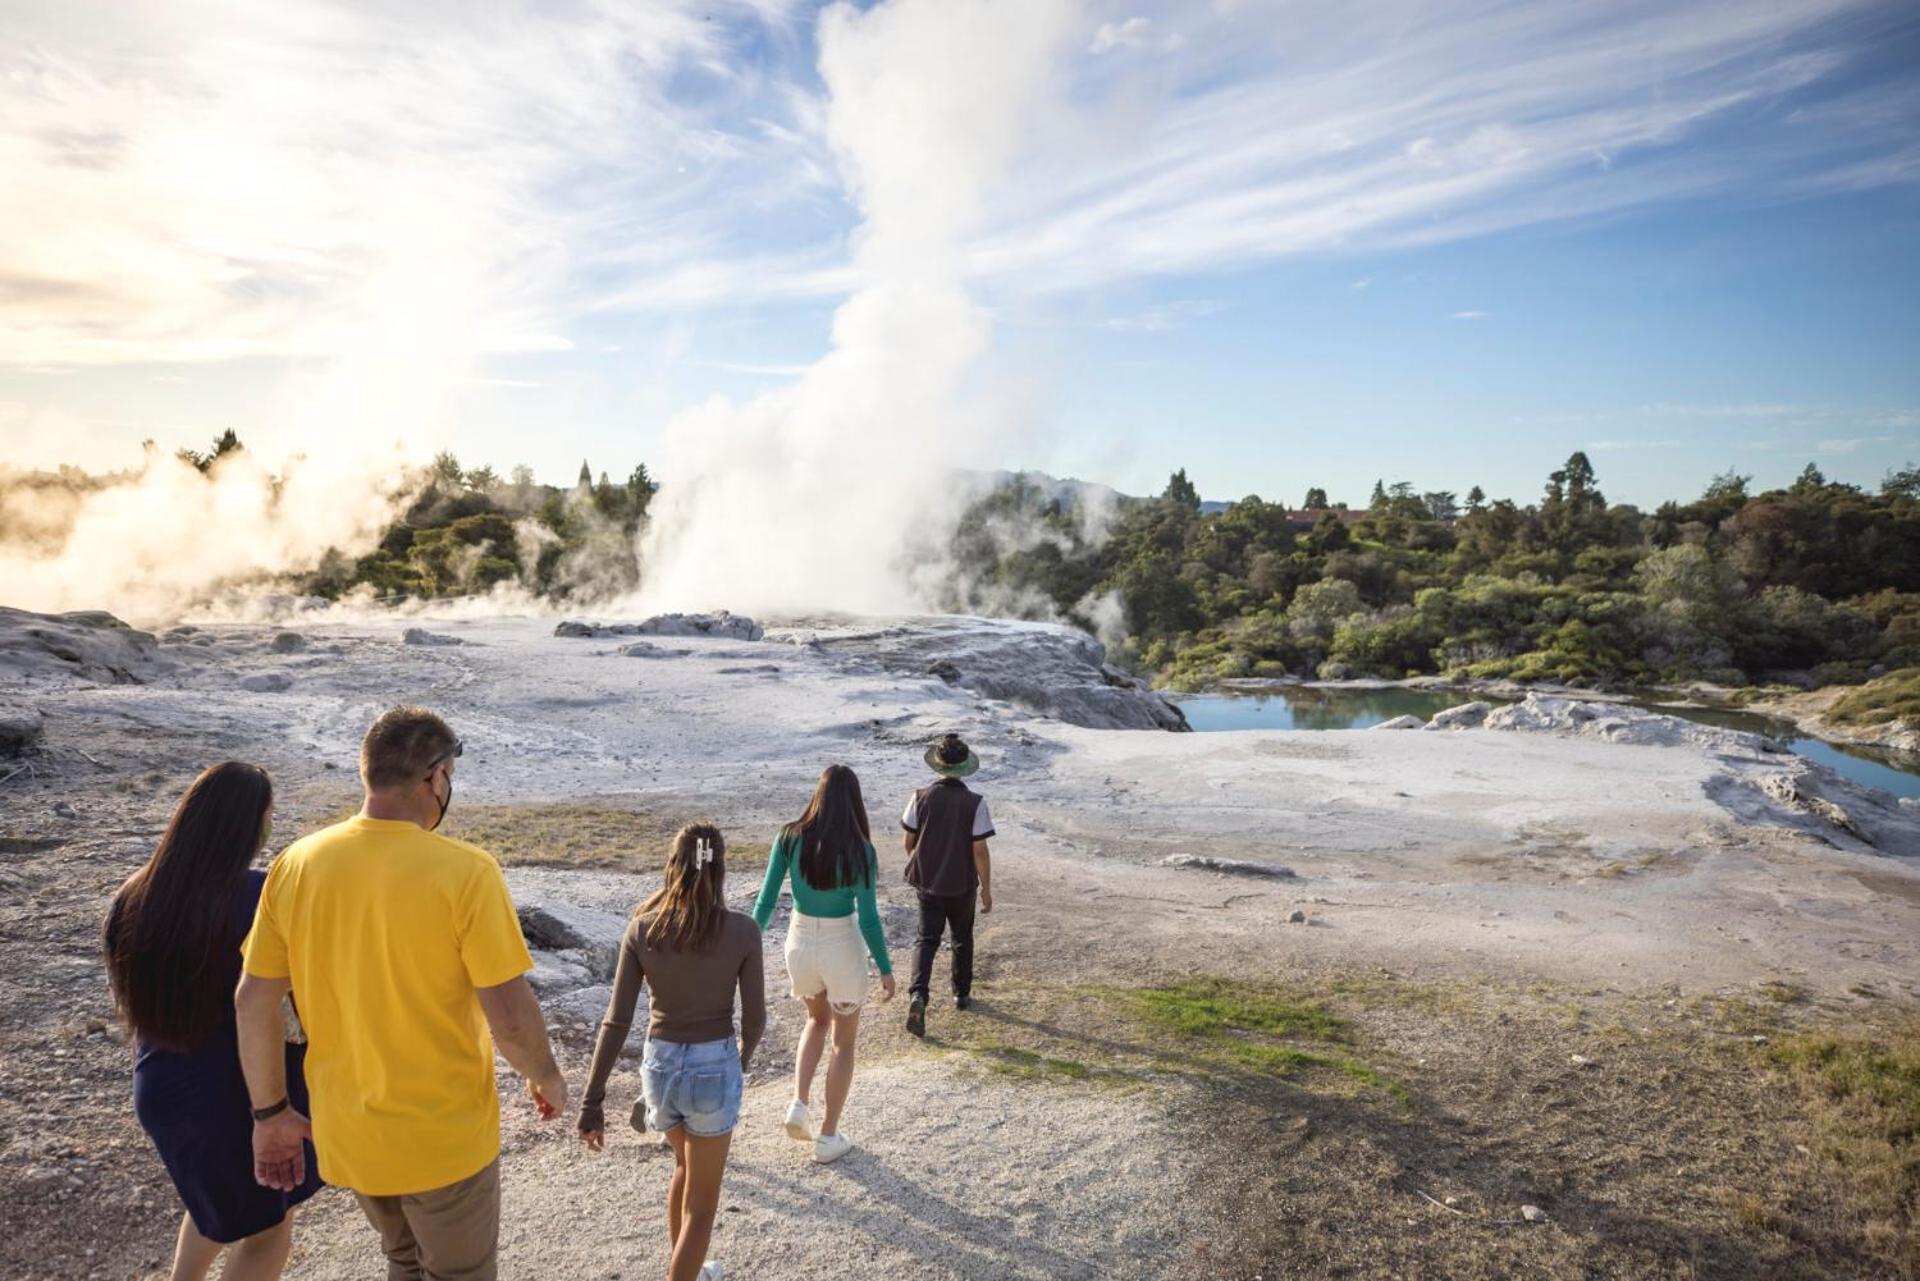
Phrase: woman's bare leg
(262, 1256)
(813, 1041)
(846, 1030)
(677, 1188)
(193, 1254)
(704, 1166)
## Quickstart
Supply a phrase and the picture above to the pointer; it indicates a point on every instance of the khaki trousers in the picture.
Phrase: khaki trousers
(448, 1234)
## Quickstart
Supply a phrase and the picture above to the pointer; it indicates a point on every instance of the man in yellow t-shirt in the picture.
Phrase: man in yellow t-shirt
(403, 950)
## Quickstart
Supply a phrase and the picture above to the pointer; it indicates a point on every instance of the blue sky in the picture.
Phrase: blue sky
(1280, 245)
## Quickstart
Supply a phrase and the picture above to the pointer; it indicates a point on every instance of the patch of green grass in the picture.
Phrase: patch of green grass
(1027, 1065)
(1781, 992)
(1208, 1007)
(1222, 1031)
(1893, 697)
(1284, 1060)
(1866, 1091)
(1876, 1080)
(1234, 1025)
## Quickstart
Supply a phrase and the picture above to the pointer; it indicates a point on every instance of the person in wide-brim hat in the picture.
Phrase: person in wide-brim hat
(951, 757)
(946, 828)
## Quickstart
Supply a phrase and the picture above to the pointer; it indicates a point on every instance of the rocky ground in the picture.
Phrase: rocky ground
(1567, 1000)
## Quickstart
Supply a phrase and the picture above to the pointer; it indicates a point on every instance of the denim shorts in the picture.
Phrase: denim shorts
(698, 1086)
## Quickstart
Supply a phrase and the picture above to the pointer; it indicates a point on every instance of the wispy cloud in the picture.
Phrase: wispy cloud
(1289, 128)
(1161, 317)
(1750, 409)
(1851, 444)
(207, 180)
(1469, 315)
(1130, 34)
(757, 370)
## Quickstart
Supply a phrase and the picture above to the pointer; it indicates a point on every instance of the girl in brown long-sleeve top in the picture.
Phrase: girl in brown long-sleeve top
(693, 954)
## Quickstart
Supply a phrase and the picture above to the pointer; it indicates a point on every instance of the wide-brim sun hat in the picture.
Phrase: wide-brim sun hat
(952, 769)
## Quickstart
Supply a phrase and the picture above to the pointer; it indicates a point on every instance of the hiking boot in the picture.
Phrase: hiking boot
(917, 1016)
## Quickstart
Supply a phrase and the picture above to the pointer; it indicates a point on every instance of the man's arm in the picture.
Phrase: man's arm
(521, 1031)
(279, 1154)
(909, 839)
(983, 867)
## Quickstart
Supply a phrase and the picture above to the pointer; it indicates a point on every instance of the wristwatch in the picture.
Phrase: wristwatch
(272, 1110)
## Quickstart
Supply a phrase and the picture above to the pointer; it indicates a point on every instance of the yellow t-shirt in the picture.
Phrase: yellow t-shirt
(386, 930)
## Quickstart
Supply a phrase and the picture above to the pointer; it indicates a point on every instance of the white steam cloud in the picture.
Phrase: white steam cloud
(359, 199)
(819, 495)
(152, 546)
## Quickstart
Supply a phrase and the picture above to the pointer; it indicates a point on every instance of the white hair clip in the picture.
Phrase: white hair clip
(703, 853)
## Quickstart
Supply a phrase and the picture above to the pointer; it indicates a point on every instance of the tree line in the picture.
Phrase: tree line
(466, 529)
(1818, 582)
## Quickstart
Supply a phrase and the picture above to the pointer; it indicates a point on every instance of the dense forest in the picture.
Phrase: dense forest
(1815, 584)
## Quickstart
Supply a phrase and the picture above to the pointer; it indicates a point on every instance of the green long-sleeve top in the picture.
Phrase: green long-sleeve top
(837, 901)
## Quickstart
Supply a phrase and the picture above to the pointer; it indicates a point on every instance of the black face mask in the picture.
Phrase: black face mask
(442, 804)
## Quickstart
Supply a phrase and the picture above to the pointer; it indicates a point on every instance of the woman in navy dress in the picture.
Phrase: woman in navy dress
(173, 955)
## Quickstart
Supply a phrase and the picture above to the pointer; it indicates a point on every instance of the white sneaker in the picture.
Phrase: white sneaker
(711, 1271)
(799, 1122)
(829, 1148)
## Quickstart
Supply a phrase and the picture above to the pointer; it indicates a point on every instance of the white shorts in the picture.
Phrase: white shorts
(826, 954)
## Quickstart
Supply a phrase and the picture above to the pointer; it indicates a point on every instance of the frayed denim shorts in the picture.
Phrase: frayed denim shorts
(698, 1086)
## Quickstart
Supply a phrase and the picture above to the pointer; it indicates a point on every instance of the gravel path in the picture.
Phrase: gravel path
(955, 1175)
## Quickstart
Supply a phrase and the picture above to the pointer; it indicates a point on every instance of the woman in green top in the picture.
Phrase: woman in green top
(828, 856)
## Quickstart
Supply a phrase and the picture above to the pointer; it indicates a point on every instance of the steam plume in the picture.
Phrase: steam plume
(818, 494)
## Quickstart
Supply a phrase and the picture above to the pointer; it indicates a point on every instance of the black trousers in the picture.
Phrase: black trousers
(939, 913)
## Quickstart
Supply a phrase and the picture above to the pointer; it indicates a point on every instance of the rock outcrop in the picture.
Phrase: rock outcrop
(574, 935)
(647, 649)
(1228, 866)
(1051, 669)
(1622, 723)
(1759, 782)
(91, 647)
(720, 626)
(1465, 716)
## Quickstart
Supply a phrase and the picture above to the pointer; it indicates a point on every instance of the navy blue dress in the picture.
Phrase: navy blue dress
(194, 1106)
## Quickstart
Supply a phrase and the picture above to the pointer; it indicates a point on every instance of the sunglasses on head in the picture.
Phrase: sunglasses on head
(457, 749)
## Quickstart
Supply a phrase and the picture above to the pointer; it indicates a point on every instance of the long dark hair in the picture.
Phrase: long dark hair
(833, 833)
(691, 904)
(172, 956)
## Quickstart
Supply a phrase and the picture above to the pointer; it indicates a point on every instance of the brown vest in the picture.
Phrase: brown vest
(942, 860)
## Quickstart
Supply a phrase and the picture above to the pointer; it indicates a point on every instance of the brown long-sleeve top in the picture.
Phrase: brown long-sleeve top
(691, 998)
